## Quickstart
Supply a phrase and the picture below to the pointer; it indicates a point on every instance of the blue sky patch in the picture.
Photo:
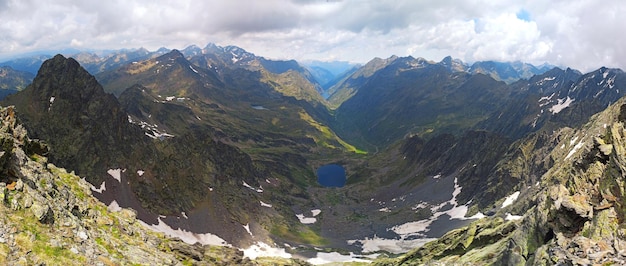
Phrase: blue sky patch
(523, 14)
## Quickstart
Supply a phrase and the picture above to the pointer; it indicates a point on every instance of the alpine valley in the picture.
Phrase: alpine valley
(209, 156)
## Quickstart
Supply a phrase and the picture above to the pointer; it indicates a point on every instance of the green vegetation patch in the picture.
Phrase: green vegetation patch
(300, 234)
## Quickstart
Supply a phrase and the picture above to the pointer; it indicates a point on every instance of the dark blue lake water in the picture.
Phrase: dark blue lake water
(331, 175)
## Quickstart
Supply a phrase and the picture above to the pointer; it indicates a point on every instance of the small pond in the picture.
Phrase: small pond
(331, 175)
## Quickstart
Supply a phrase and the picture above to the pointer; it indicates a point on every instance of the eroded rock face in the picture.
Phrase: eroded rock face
(575, 215)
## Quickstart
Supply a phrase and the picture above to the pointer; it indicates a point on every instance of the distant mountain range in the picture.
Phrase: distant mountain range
(324, 75)
(12, 81)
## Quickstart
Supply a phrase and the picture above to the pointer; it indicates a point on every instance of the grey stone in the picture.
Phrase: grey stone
(19, 185)
(82, 235)
(27, 201)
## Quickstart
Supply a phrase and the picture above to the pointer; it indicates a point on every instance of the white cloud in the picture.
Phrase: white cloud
(76, 43)
(582, 34)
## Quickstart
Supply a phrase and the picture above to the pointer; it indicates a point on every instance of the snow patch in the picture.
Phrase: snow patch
(261, 249)
(611, 83)
(336, 257)
(390, 245)
(386, 209)
(99, 190)
(157, 135)
(235, 58)
(413, 234)
(151, 130)
(170, 98)
(478, 215)
(578, 146)
(437, 176)
(562, 104)
(115, 173)
(140, 172)
(186, 236)
(598, 93)
(420, 205)
(545, 100)
(417, 228)
(306, 220)
(114, 206)
(534, 124)
(510, 217)
(510, 199)
(259, 190)
(192, 69)
(263, 204)
(184, 215)
(544, 80)
(247, 227)
(456, 192)
(309, 220)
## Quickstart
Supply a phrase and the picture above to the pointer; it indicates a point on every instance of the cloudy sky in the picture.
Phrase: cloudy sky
(582, 34)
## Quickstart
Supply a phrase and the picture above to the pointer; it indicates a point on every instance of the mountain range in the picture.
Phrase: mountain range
(323, 75)
(219, 146)
(12, 81)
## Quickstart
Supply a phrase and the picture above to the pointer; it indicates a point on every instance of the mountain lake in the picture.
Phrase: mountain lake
(331, 175)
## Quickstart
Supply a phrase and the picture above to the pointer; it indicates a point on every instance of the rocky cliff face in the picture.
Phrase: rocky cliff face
(48, 216)
(574, 214)
(67, 107)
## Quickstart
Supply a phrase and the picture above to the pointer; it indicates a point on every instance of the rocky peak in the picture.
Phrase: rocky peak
(228, 56)
(172, 55)
(162, 51)
(67, 107)
(237, 51)
(554, 80)
(372, 66)
(192, 50)
(603, 85)
(454, 65)
(409, 62)
(56, 73)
